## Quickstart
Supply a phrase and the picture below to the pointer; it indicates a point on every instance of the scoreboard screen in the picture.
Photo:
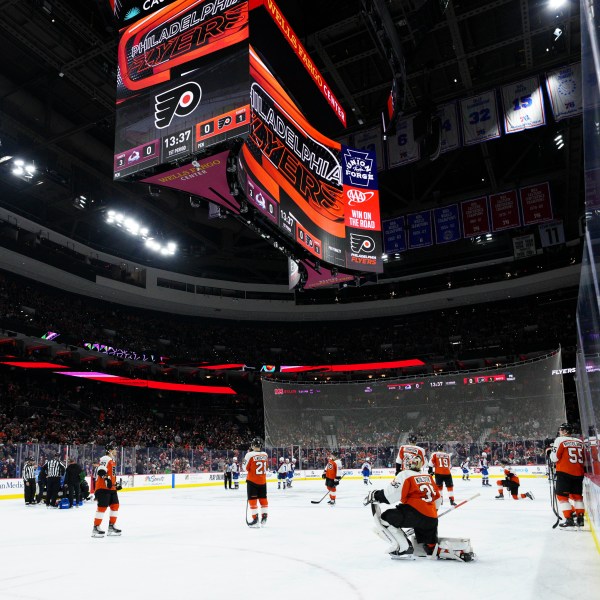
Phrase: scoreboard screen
(182, 82)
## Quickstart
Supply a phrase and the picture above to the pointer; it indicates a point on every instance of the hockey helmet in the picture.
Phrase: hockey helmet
(234, 459)
(110, 447)
(567, 427)
(440, 447)
(293, 460)
(367, 459)
(256, 443)
(334, 453)
(484, 455)
(281, 459)
(287, 460)
(413, 462)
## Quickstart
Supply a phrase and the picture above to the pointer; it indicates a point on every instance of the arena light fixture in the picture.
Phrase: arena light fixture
(136, 229)
(556, 4)
(22, 169)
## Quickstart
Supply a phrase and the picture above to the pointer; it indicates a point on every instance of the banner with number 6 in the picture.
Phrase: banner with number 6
(402, 148)
(523, 105)
(449, 119)
(480, 118)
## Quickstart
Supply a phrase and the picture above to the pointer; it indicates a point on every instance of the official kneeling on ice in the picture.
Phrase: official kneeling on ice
(418, 499)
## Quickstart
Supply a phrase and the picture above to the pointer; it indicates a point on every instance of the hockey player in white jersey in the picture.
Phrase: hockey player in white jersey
(464, 465)
(366, 471)
(291, 468)
(235, 473)
(282, 474)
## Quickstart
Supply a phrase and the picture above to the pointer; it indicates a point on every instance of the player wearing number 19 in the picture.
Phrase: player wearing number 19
(567, 453)
(440, 466)
(255, 463)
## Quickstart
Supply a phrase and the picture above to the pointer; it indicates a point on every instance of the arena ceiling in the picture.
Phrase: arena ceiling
(57, 107)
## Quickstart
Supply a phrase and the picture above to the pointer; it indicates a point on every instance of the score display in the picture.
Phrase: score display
(172, 96)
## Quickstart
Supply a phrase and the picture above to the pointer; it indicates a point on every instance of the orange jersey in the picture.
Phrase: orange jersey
(567, 453)
(407, 450)
(510, 476)
(108, 464)
(441, 463)
(332, 468)
(415, 489)
(256, 464)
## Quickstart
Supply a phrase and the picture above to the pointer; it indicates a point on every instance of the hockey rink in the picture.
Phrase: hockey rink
(194, 543)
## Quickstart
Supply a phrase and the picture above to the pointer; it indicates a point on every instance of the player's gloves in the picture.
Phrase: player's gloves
(108, 482)
(119, 487)
(370, 498)
(430, 470)
(323, 476)
(336, 482)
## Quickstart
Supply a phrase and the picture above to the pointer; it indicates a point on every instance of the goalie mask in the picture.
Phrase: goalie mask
(413, 462)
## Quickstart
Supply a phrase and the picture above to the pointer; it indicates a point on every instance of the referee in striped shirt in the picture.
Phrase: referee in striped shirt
(29, 480)
(56, 469)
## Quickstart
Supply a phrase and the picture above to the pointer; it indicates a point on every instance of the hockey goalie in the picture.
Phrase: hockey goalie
(417, 500)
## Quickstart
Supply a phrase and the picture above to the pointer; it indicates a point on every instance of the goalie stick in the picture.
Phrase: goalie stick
(412, 531)
(326, 493)
(553, 499)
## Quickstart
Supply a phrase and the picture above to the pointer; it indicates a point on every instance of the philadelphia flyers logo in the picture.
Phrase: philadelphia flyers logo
(361, 243)
(181, 101)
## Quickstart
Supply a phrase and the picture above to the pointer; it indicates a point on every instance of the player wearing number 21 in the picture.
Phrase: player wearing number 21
(255, 463)
(567, 453)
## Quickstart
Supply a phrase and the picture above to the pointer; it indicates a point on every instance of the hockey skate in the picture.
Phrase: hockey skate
(254, 522)
(407, 554)
(452, 503)
(529, 495)
(499, 497)
(112, 530)
(97, 532)
(580, 521)
(569, 524)
(263, 520)
(454, 549)
(331, 503)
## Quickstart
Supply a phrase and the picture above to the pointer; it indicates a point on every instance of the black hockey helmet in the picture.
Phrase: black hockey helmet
(566, 427)
(256, 443)
(440, 447)
(109, 447)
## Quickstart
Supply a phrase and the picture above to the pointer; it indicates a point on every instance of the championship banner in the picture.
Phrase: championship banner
(552, 234)
(523, 105)
(419, 229)
(364, 246)
(505, 210)
(536, 204)
(370, 140)
(564, 91)
(475, 217)
(394, 236)
(524, 246)
(447, 224)
(480, 118)
(402, 148)
(450, 135)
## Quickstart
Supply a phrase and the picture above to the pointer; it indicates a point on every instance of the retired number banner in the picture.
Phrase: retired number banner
(523, 105)
(564, 91)
(480, 118)
(449, 119)
(402, 147)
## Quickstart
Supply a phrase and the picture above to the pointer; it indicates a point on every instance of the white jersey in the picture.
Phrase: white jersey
(465, 464)
(283, 469)
(366, 467)
(235, 468)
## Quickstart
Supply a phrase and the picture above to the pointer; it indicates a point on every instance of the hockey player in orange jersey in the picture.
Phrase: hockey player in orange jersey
(511, 482)
(256, 464)
(405, 451)
(332, 475)
(567, 454)
(417, 499)
(440, 465)
(106, 488)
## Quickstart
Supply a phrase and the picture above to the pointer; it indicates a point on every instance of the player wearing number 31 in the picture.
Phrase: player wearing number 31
(567, 453)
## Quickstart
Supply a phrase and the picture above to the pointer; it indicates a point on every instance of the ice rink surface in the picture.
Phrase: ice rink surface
(194, 543)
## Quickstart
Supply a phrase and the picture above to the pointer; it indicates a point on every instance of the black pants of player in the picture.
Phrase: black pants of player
(404, 515)
(255, 490)
(106, 498)
(440, 480)
(227, 480)
(74, 493)
(29, 485)
(52, 489)
(567, 484)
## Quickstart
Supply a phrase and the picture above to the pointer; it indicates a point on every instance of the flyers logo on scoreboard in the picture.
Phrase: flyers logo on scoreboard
(179, 101)
(361, 243)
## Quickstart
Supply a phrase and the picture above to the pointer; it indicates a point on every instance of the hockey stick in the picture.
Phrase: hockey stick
(412, 531)
(247, 505)
(326, 493)
(553, 499)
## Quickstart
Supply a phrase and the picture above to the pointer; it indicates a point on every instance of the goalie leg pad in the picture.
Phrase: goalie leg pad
(455, 549)
(399, 542)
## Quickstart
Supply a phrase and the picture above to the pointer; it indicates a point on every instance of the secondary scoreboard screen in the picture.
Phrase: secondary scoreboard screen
(182, 79)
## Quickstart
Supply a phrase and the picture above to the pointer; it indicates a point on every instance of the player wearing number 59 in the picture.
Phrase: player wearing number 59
(567, 453)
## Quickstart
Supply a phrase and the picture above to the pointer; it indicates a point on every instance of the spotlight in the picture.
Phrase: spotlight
(554, 4)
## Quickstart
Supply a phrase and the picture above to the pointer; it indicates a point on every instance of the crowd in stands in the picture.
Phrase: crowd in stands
(508, 328)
